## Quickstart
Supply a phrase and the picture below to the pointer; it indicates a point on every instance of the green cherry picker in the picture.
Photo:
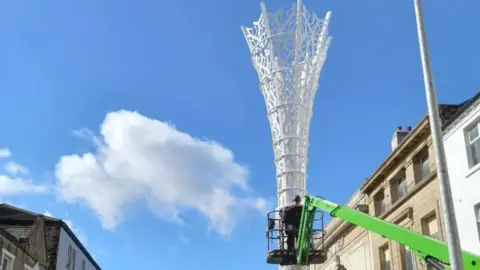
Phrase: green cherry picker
(430, 250)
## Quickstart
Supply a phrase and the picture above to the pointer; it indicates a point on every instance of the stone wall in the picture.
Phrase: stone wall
(52, 236)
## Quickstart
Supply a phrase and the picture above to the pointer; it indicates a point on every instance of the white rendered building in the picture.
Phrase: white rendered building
(462, 148)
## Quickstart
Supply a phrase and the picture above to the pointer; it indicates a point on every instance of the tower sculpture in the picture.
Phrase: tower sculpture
(288, 50)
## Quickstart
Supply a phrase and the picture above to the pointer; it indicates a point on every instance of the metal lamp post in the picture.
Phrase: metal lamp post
(455, 252)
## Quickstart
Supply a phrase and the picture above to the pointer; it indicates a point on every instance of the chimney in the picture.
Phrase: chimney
(399, 135)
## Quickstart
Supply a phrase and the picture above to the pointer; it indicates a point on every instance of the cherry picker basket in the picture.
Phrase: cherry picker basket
(277, 252)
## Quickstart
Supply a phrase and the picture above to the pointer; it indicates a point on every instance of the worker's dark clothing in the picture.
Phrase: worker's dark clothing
(291, 218)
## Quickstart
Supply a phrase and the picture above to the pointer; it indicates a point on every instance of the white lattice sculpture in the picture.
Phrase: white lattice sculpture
(288, 50)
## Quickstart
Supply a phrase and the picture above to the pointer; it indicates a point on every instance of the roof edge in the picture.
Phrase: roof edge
(412, 134)
(461, 112)
(78, 243)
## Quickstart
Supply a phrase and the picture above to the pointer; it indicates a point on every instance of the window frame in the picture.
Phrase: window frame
(385, 249)
(469, 143)
(69, 256)
(476, 209)
(477, 212)
(425, 157)
(426, 226)
(402, 186)
(380, 202)
(74, 259)
(10, 256)
(406, 250)
(72, 253)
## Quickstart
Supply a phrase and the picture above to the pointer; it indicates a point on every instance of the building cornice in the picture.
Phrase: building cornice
(348, 248)
(398, 153)
(336, 226)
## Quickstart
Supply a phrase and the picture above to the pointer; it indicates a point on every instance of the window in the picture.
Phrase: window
(385, 258)
(477, 218)
(380, 203)
(431, 227)
(473, 140)
(402, 187)
(425, 166)
(83, 264)
(7, 260)
(71, 258)
(477, 212)
(408, 258)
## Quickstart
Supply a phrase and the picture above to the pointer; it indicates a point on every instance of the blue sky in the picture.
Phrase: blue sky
(66, 65)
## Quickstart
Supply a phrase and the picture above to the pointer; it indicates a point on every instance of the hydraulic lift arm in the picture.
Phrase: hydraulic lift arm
(429, 249)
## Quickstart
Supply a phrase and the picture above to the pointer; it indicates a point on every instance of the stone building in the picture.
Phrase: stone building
(48, 240)
(347, 244)
(403, 190)
(15, 256)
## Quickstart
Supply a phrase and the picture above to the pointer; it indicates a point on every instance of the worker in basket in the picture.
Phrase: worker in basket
(291, 216)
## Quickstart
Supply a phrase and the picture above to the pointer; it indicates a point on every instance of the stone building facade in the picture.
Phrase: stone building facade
(14, 254)
(40, 237)
(347, 244)
(403, 190)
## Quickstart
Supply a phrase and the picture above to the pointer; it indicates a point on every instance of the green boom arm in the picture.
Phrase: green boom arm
(429, 249)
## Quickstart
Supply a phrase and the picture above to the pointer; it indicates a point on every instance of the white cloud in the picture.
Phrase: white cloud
(12, 184)
(48, 214)
(14, 168)
(138, 158)
(17, 186)
(87, 135)
(5, 153)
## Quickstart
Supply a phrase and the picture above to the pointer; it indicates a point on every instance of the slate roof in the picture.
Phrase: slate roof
(462, 107)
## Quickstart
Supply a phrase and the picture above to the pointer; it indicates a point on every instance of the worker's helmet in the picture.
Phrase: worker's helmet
(297, 198)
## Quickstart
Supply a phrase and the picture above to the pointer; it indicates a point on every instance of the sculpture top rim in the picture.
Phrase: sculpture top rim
(288, 50)
(280, 11)
(286, 25)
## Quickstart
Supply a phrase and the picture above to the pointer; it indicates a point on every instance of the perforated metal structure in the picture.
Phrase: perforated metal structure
(288, 50)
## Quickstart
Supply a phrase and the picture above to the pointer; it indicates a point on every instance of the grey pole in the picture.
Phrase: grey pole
(455, 252)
